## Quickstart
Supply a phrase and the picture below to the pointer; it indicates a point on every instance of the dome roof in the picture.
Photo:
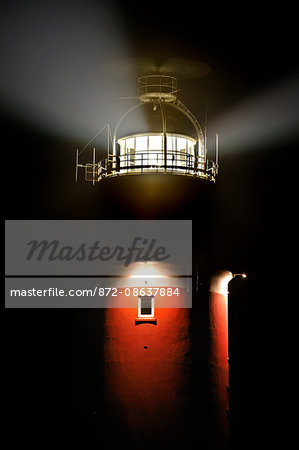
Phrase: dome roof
(146, 118)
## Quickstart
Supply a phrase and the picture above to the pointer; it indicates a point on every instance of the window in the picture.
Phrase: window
(141, 143)
(145, 306)
(145, 152)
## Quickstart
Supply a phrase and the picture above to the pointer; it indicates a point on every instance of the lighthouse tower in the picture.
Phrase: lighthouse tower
(166, 368)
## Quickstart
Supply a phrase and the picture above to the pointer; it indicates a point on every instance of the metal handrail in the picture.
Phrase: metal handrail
(148, 162)
(166, 84)
(159, 153)
(139, 163)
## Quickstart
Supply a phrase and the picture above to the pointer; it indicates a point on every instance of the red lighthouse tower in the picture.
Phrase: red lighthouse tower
(166, 365)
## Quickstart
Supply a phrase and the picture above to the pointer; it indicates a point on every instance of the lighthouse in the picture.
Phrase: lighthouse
(165, 357)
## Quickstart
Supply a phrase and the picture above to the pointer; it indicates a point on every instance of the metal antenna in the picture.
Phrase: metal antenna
(205, 130)
(108, 138)
(77, 161)
(93, 165)
(217, 151)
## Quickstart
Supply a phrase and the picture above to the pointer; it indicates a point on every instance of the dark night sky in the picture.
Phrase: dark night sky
(54, 56)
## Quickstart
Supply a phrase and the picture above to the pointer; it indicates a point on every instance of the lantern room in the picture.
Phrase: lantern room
(145, 153)
(169, 141)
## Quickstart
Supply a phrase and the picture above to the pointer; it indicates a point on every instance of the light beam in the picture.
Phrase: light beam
(53, 65)
(266, 119)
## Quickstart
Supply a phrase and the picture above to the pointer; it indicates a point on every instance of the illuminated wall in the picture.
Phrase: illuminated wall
(218, 318)
(147, 366)
(168, 381)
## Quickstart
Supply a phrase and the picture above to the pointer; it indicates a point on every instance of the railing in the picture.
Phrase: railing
(157, 86)
(177, 163)
(148, 159)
